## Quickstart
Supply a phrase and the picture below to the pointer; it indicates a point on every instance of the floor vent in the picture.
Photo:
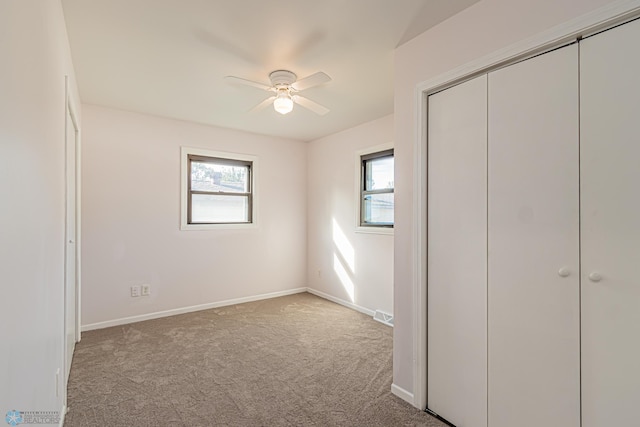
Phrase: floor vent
(383, 317)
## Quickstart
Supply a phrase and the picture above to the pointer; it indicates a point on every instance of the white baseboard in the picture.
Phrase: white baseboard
(183, 310)
(402, 394)
(63, 412)
(175, 311)
(341, 302)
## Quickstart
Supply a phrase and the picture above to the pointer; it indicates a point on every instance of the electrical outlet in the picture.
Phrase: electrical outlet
(58, 382)
(319, 274)
(146, 290)
(135, 291)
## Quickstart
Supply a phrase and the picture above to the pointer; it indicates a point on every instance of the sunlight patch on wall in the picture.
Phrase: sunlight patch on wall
(344, 246)
(344, 260)
(344, 277)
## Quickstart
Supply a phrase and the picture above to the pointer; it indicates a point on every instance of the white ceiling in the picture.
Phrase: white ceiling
(169, 57)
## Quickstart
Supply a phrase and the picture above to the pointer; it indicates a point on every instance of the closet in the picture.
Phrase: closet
(534, 239)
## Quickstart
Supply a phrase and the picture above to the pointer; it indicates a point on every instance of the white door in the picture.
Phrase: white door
(610, 222)
(533, 243)
(71, 277)
(457, 254)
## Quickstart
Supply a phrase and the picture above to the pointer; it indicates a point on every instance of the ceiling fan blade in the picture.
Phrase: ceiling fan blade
(310, 105)
(238, 80)
(264, 104)
(311, 81)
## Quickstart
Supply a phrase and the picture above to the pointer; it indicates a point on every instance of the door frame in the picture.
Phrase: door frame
(596, 21)
(70, 113)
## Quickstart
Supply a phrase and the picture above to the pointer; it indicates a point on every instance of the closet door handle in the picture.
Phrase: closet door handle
(564, 272)
(595, 276)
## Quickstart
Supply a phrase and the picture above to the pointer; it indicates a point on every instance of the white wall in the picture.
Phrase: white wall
(332, 206)
(473, 33)
(35, 59)
(130, 218)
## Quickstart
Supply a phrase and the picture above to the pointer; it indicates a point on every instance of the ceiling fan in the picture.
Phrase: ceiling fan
(286, 86)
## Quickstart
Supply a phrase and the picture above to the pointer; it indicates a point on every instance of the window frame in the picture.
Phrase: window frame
(218, 157)
(362, 156)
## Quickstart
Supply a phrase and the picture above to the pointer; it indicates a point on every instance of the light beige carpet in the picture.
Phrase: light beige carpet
(292, 361)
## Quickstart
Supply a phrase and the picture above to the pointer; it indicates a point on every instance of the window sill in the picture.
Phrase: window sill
(375, 230)
(238, 226)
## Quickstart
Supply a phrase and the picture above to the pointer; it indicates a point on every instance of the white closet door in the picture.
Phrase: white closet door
(533, 241)
(610, 220)
(457, 253)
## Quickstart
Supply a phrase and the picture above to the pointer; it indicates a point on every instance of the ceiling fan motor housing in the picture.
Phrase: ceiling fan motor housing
(281, 78)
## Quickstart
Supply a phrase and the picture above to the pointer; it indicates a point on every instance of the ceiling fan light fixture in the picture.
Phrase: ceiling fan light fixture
(285, 88)
(283, 103)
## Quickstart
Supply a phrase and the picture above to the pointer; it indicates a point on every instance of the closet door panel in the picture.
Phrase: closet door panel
(457, 253)
(610, 220)
(533, 242)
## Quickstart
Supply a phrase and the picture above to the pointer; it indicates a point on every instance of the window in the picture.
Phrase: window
(217, 189)
(376, 189)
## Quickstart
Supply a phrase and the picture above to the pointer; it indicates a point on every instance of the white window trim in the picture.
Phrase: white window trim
(372, 229)
(184, 188)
